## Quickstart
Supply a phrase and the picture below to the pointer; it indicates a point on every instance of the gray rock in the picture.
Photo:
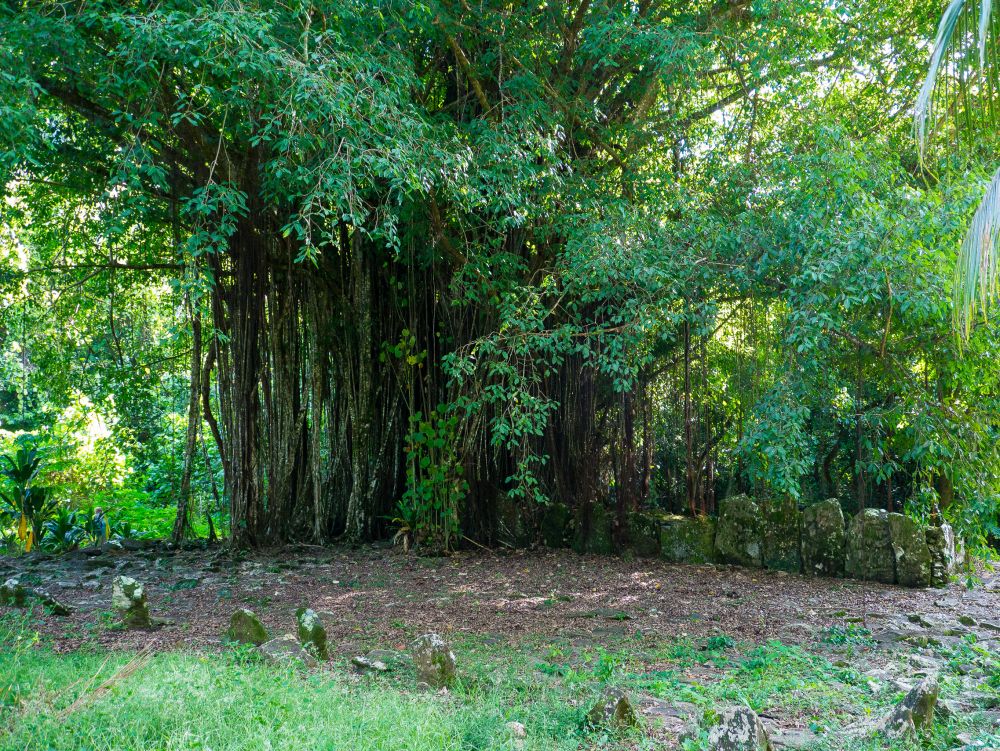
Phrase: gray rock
(823, 539)
(912, 555)
(286, 650)
(54, 605)
(916, 710)
(794, 739)
(434, 660)
(944, 559)
(613, 710)
(736, 729)
(516, 729)
(312, 634)
(129, 598)
(782, 522)
(869, 547)
(245, 627)
(367, 663)
(739, 532)
(687, 539)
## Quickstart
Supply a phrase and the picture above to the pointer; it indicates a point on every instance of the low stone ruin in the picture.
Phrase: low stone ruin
(818, 540)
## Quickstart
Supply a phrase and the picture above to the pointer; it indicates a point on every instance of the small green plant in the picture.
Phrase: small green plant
(849, 633)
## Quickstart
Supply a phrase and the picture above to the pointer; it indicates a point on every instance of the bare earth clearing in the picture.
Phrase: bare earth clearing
(376, 596)
(379, 598)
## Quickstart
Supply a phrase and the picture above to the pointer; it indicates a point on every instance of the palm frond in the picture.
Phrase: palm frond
(923, 110)
(976, 273)
(984, 30)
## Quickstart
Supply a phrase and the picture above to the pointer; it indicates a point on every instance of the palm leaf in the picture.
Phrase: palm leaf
(923, 113)
(962, 84)
(976, 278)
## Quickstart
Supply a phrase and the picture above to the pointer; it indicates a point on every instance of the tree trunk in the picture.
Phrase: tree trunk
(182, 521)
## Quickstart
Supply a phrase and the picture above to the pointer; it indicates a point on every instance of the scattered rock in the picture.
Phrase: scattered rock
(129, 599)
(434, 660)
(909, 546)
(245, 627)
(613, 710)
(286, 650)
(516, 729)
(735, 729)
(794, 739)
(312, 634)
(55, 606)
(941, 546)
(823, 539)
(782, 522)
(367, 663)
(870, 554)
(739, 532)
(916, 711)
(687, 539)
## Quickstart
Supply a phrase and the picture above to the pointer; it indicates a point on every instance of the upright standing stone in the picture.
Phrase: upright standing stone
(687, 539)
(869, 547)
(909, 545)
(245, 627)
(944, 561)
(739, 729)
(129, 599)
(613, 711)
(434, 660)
(823, 539)
(312, 634)
(916, 711)
(739, 532)
(782, 523)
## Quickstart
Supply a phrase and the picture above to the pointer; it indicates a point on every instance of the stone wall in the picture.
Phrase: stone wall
(816, 541)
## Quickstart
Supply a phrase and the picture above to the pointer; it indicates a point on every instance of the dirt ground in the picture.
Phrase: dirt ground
(377, 596)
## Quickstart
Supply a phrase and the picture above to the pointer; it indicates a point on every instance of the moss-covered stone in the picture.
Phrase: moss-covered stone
(644, 534)
(514, 527)
(245, 627)
(593, 530)
(312, 633)
(823, 539)
(782, 522)
(869, 547)
(944, 559)
(740, 531)
(687, 539)
(557, 525)
(909, 546)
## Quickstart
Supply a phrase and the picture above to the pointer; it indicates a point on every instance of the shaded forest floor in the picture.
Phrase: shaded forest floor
(812, 656)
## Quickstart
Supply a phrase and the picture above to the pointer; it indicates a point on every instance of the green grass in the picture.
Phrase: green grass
(229, 700)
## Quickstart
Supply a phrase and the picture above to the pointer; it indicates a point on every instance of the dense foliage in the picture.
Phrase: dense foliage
(329, 264)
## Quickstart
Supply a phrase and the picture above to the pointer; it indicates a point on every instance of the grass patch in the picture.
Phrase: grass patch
(231, 700)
